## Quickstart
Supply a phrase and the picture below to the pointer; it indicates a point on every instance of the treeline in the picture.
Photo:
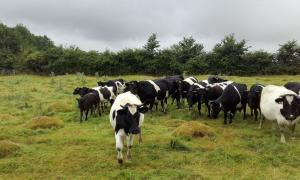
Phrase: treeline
(22, 51)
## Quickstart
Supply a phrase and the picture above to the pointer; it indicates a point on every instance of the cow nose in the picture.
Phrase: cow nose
(292, 116)
(135, 131)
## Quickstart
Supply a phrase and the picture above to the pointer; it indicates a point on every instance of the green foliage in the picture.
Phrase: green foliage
(22, 51)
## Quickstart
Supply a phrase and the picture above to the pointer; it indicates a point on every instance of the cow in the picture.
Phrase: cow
(212, 93)
(82, 91)
(87, 103)
(117, 84)
(293, 86)
(173, 87)
(185, 85)
(282, 105)
(254, 99)
(149, 91)
(106, 94)
(234, 97)
(195, 94)
(126, 118)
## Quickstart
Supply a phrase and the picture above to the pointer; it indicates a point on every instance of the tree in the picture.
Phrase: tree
(187, 49)
(227, 55)
(288, 53)
(151, 45)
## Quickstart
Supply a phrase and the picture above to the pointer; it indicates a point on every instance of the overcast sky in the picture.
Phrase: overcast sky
(118, 24)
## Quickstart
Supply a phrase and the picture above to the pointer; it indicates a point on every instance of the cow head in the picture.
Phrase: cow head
(215, 109)
(193, 94)
(290, 106)
(131, 86)
(253, 97)
(81, 91)
(129, 117)
(77, 90)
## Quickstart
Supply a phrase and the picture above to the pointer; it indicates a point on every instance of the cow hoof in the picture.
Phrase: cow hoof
(129, 157)
(120, 161)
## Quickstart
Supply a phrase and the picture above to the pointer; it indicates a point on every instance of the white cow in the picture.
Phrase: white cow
(281, 105)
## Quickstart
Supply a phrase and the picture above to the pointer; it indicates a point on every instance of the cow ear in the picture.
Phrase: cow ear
(143, 109)
(279, 100)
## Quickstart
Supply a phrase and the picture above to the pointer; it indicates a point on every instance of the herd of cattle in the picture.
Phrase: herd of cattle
(129, 101)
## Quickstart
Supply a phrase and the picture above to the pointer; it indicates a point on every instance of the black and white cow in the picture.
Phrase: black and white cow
(195, 95)
(145, 90)
(234, 97)
(87, 103)
(281, 105)
(117, 84)
(185, 85)
(293, 86)
(149, 91)
(254, 99)
(126, 118)
(106, 94)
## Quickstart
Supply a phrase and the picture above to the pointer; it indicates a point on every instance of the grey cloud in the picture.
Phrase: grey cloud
(117, 24)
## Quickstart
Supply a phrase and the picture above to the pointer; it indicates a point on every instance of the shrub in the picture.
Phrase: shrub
(8, 147)
(193, 129)
(44, 122)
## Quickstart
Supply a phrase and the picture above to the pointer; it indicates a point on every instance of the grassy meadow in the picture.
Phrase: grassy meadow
(41, 138)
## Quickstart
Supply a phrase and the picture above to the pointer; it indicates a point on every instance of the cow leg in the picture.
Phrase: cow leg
(259, 112)
(281, 129)
(292, 128)
(163, 106)
(251, 111)
(178, 102)
(255, 114)
(98, 107)
(225, 117)
(231, 114)
(199, 107)
(129, 146)
(261, 120)
(140, 136)
(208, 109)
(244, 110)
(86, 114)
(81, 113)
(119, 147)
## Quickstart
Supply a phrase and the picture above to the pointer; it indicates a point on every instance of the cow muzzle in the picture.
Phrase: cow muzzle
(135, 130)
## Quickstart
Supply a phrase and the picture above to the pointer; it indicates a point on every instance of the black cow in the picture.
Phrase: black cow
(173, 88)
(81, 91)
(233, 97)
(211, 93)
(87, 103)
(293, 86)
(254, 99)
(195, 95)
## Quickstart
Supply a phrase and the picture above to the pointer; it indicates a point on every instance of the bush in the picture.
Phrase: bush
(193, 129)
(44, 122)
(8, 147)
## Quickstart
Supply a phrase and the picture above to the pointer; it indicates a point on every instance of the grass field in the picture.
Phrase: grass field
(69, 150)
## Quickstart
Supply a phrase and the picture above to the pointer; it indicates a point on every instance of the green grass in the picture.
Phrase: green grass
(87, 150)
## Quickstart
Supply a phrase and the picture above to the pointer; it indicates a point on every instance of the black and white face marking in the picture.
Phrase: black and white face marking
(290, 106)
